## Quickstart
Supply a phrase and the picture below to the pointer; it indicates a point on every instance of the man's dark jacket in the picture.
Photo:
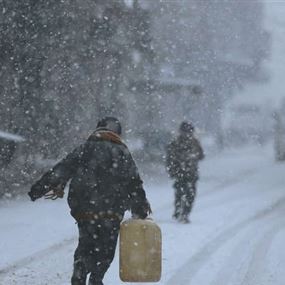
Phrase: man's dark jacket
(104, 179)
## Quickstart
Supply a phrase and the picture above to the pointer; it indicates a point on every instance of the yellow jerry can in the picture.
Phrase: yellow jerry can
(140, 251)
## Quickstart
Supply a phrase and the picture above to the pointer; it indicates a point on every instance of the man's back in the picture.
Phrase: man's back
(105, 179)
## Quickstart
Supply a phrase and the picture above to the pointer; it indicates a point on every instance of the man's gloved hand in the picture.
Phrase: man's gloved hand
(148, 208)
(36, 192)
(33, 198)
(56, 193)
(142, 212)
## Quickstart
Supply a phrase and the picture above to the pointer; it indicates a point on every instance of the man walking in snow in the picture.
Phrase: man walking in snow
(104, 184)
(182, 157)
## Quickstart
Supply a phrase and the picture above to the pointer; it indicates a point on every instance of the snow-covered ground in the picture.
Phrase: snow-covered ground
(236, 236)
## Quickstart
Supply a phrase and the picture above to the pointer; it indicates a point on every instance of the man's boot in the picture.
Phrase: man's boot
(184, 219)
(93, 280)
(79, 274)
(176, 215)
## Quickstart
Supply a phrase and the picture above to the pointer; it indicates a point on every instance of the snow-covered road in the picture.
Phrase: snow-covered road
(236, 236)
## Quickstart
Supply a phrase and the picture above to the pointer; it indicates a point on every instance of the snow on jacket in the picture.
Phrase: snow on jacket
(182, 157)
(104, 179)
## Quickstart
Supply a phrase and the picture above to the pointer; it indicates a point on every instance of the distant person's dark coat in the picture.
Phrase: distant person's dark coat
(182, 157)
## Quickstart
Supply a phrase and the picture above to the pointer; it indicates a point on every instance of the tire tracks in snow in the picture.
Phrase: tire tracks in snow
(258, 260)
(38, 255)
(190, 268)
(247, 258)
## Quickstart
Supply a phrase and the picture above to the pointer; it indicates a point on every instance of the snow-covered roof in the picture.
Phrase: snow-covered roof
(11, 137)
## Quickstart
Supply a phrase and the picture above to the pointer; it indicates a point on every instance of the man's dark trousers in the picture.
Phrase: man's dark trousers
(95, 251)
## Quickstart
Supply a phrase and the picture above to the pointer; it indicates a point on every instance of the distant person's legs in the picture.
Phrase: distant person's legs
(188, 200)
(178, 186)
(191, 197)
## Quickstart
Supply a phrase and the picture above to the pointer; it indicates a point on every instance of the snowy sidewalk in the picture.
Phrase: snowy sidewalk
(238, 212)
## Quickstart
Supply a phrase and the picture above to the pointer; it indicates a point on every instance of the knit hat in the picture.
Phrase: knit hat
(186, 127)
(110, 124)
